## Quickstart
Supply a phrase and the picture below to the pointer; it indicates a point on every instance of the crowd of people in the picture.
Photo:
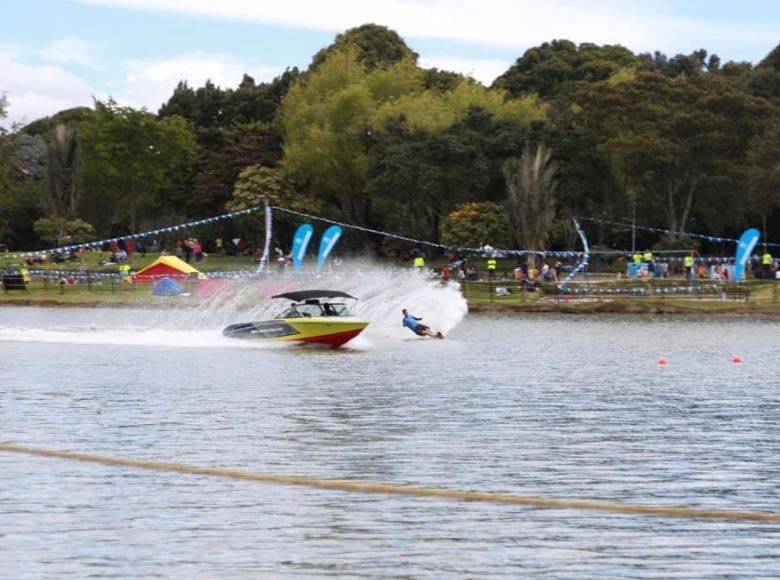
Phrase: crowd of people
(530, 270)
(465, 269)
(187, 248)
(639, 265)
(693, 266)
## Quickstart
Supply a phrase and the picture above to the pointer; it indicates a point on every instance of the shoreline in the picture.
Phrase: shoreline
(713, 309)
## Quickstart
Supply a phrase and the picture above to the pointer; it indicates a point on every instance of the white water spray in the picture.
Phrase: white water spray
(382, 292)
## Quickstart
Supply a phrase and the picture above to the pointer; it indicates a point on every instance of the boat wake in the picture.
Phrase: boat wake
(192, 322)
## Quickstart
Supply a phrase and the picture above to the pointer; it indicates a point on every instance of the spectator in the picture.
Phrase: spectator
(491, 268)
(187, 247)
(198, 249)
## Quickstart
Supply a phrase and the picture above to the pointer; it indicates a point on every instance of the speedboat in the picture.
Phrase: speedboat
(311, 318)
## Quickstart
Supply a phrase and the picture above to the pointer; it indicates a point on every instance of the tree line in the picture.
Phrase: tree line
(367, 136)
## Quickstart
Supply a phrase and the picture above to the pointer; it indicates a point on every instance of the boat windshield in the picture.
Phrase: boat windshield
(310, 310)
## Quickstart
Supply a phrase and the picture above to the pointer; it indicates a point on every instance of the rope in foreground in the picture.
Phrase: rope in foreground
(382, 488)
(363, 487)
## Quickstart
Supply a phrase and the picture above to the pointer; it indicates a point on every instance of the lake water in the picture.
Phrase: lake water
(563, 407)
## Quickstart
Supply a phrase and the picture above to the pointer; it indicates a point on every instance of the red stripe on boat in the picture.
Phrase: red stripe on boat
(334, 340)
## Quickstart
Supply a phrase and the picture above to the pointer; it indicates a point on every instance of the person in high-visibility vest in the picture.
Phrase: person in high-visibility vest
(419, 262)
(124, 271)
(491, 268)
(636, 258)
(25, 275)
(647, 258)
(766, 262)
(688, 262)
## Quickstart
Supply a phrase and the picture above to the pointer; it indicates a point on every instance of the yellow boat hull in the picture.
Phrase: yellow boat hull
(332, 331)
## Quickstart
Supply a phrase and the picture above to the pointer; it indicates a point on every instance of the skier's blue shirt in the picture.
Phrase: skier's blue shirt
(412, 323)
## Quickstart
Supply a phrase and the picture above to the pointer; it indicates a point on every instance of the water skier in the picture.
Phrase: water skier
(413, 323)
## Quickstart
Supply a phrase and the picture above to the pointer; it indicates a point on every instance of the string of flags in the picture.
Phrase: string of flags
(715, 239)
(83, 275)
(583, 263)
(169, 229)
(698, 289)
(485, 250)
(367, 230)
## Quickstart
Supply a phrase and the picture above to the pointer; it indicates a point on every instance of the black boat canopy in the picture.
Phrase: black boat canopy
(309, 294)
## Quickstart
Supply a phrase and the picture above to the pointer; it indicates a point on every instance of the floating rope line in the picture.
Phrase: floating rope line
(383, 488)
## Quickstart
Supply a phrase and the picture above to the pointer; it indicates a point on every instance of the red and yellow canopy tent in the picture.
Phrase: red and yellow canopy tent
(167, 267)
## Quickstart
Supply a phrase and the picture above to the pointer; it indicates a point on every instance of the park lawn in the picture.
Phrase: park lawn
(38, 293)
(89, 261)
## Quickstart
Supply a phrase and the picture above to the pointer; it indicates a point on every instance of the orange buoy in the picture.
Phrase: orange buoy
(736, 359)
(662, 361)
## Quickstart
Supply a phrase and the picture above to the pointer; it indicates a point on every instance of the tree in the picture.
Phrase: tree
(6, 159)
(553, 67)
(374, 47)
(134, 158)
(337, 119)
(217, 169)
(326, 121)
(690, 65)
(677, 137)
(530, 185)
(764, 80)
(61, 231)
(69, 117)
(234, 128)
(257, 185)
(182, 103)
(764, 174)
(417, 178)
(22, 182)
(62, 186)
(212, 107)
(474, 225)
(8, 186)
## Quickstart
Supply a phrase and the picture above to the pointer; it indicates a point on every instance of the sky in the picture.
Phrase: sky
(57, 54)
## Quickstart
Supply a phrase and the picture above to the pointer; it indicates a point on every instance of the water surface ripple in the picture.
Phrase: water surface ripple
(552, 406)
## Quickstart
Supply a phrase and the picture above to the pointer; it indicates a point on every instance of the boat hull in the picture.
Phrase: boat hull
(318, 330)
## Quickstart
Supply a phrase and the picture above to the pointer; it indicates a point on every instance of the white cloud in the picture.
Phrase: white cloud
(36, 91)
(150, 83)
(70, 50)
(510, 24)
(483, 70)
